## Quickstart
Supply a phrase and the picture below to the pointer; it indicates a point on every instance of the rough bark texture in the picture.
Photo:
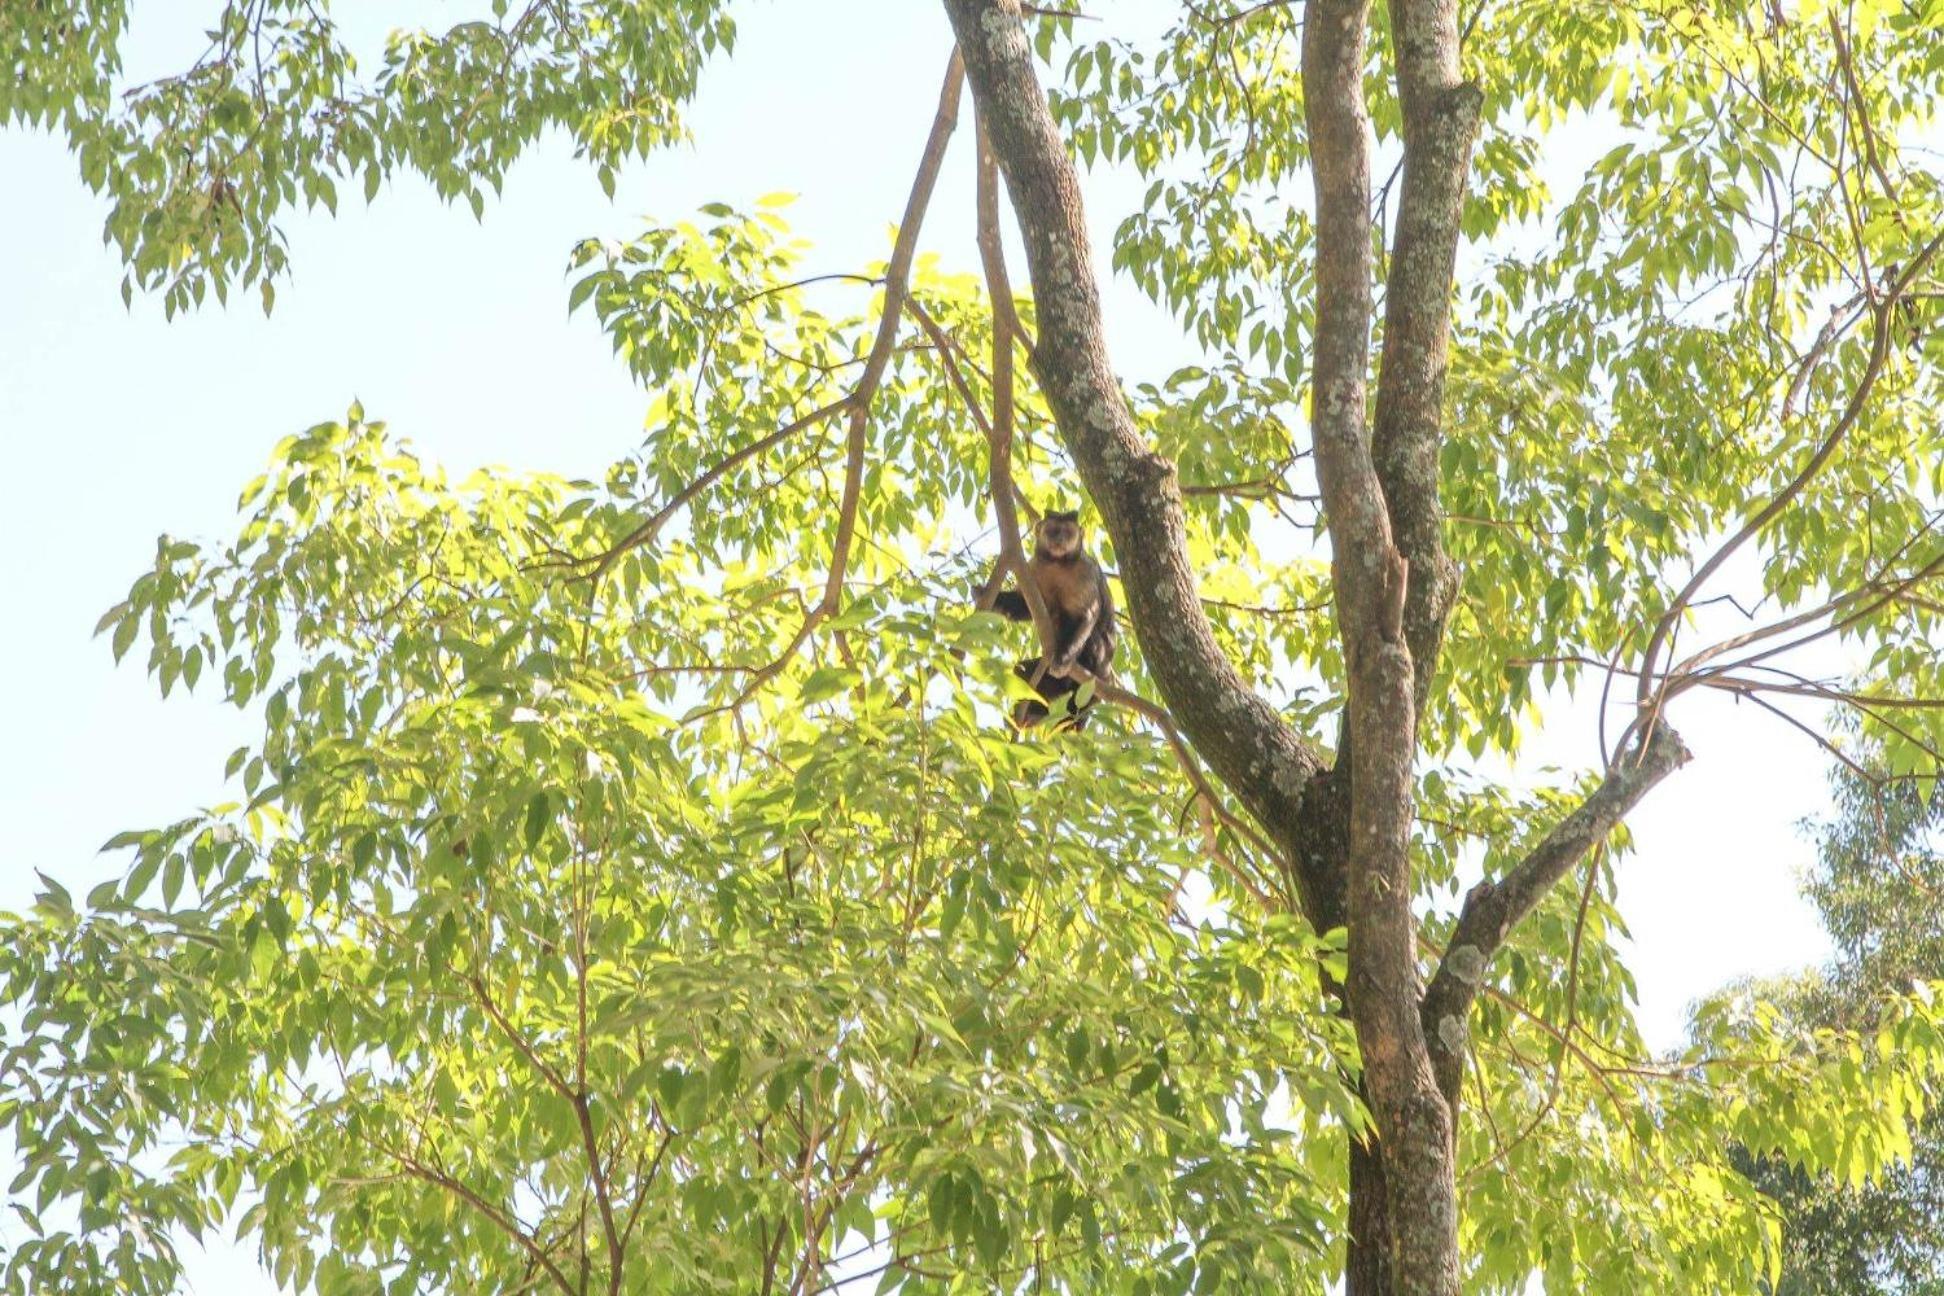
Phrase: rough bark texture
(1370, 578)
(1440, 122)
(1345, 830)
(1367, 1250)
(1239, 734)
(1493, 909)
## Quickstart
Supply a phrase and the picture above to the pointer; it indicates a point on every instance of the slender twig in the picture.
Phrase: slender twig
(499, 1219)
(897, 278)
(1881, 309)
(648, 530)
(999, 430)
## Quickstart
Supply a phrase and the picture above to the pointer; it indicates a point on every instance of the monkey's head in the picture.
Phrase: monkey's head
(1059, 534)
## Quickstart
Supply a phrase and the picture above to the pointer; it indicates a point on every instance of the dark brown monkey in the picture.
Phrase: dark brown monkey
(1076, 596)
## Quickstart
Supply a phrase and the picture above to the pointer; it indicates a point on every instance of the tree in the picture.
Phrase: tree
(1877, 873)
(649, 857)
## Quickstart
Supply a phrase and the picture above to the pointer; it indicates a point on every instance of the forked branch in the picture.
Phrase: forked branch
(1651, 692)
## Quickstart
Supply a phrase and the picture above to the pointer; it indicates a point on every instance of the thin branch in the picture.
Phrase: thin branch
(555, 1081)
(648, 530)
(897, 277)
(1237, 16)
(1881, 309)
(999, 429)
(577, 1098)
(1845, 60)
(1191, 767)
(500, 1220)
(1841, 316)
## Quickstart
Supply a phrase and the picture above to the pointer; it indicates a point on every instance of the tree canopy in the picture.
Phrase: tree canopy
(636, 884)
(1876, 872)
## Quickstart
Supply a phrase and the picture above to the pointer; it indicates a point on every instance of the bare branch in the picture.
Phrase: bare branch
(999, 431)
(555, 1080)
(1880, 339)
(1205, 792)
(1493, 909)
(1012, 556)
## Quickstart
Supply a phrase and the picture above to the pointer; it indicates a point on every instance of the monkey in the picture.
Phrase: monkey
(1075, 592)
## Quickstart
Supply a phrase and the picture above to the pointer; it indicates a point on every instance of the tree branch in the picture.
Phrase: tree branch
(1440, 123)
(504, 1222)
(999, 482)
(1242, 738)
(1882, 310)
(648, 530)
(999, 430)
(897, 280)
(1492, 910)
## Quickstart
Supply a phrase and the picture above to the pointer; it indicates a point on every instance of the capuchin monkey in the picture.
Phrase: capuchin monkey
(1075, 591)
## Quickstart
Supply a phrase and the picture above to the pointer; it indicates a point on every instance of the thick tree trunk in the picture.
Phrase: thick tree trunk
(1345, 831)
(1370, 578)
(1440, 123)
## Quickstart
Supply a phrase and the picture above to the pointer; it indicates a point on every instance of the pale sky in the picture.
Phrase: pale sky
(116, 426)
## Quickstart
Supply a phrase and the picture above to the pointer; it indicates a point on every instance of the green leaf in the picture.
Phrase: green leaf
(54, 896)
(123, 637)
(538, 814)
(113, 616)
(828, 682)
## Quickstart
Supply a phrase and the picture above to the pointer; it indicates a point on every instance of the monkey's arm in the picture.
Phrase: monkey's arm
(1011, 604)
(1077, 641)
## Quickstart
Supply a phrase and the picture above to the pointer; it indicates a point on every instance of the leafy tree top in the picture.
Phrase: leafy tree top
(635, 884)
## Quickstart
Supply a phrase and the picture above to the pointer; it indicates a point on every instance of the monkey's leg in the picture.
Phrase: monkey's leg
(1082, 636)
(1097, 655)
(1028, 713)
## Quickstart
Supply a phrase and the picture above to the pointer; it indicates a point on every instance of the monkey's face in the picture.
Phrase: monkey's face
(1059, 534)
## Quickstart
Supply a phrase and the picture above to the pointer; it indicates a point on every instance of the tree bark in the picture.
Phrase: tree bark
(1367, 1249)
(1440, 121)
(1370, 578)
(1345, 830)
(1493, 908)
(1259, 757)
(1440, 124)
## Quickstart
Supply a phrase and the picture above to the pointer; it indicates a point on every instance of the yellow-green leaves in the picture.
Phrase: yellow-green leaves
(847, 954)
(608, 880)
(200, 165)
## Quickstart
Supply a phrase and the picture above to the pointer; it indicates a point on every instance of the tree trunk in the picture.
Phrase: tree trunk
(1366, 1258)
(1344, 831)
(1370, 579)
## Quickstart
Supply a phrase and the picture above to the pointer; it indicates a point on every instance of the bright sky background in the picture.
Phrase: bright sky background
(116, 426)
